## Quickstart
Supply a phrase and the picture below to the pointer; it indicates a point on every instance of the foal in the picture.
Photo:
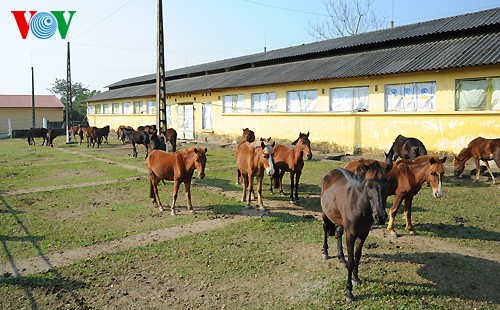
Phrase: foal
(352, 203)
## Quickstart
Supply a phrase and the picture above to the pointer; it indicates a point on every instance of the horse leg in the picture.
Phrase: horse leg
(280, 178)
(187, 187)
(260, 203)
(238, 177)
(245, 188)
(147, 150)
(357, 256)
(153, 190)
(297, 179)
(350, 239)
(339, 231)
(134, 149)
(292, 179)
(489, 170)
(478, 168)
(392, 214)
(329, 230)
(177, 184)
(250, 190)
(409, 226)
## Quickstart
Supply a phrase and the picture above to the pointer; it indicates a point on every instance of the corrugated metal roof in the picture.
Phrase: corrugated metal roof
(460, 47)
(24, 101)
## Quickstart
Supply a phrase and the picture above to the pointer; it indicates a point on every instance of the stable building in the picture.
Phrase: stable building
(16, 112)
(438, 81)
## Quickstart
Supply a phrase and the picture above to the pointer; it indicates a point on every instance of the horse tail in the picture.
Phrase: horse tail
(276, 177)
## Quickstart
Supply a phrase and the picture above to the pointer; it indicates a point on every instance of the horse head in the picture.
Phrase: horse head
(267, 159)
(459, 163)
(304, 142)
(200, 161)
(377, 187)
(435, 175)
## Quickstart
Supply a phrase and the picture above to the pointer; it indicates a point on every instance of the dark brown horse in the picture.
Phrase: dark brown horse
(248, 135)
(178, 167)
(77, 131)
(479, 149)
(89, 134)
(171, 136)
(137, 137)
(155, 142)
(253, 160)
(351, 204)
(120, 135)
(406, 179)
(406, 148)
(51, 135)
(291, 159)
(37, 133)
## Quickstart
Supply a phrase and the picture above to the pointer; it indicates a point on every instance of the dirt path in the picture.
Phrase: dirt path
(46, 262)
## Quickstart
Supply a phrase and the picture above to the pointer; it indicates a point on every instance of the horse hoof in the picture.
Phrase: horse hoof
(349, 298)
(412, 232)
(192, 212)
(325, 256)
(262, 208)
(393, 234)
(173, 213)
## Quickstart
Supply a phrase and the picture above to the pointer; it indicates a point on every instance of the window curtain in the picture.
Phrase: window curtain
(126, 108)
(495, 95)
(394, 97)
(472, 95)
(426, 96)
(302, 101)
(207, 115)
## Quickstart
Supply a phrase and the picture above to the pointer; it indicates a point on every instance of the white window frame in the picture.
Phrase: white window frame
(115, 108)
(349, 99)
(410, 97)
(302, 101)
(169, 114)
(233, 103)
(206, 111)
(264, 102)
(127, 108)
(91, 109)
(141, 107)
(107, 108)
(151, 107)
(480, 94)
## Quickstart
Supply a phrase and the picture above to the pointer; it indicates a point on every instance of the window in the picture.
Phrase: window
(302, 101)
(151, 107)
(349, 99)
(99, 109)
(138, 107)
(264, 102)
(233, 103)
(206, 108)
(116, 108)
(126, 108)
(90, 109)
(169, 114)
(411, 97)
(107, 108)
(478, 95)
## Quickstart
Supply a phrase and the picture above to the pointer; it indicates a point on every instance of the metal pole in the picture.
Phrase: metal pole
(33, 122)
(161, 93)
(68, 98)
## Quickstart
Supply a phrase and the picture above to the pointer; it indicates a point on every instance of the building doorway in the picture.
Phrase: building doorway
(185, 121)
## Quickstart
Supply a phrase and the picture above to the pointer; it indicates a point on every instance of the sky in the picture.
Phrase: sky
(113, 40)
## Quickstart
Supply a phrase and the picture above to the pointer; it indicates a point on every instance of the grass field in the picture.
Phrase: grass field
(264, 262)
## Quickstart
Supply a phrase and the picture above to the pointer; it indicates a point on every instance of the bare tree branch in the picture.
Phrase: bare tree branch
(345, 18)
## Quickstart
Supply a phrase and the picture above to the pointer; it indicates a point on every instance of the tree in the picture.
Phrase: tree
(79, 94)
(346, 18)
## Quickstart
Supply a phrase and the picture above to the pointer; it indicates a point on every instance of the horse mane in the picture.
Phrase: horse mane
(375, 172)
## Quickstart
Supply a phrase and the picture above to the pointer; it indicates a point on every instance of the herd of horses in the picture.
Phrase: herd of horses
(352, 199)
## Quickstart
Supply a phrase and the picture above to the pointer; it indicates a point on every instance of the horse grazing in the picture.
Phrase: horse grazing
(178, 167)
(137, 137)
(352, 203)
(479, 149)
(406, 179)
(248, 135)
(291, 159)
(37, 133)
(252, 160)
(406, 148)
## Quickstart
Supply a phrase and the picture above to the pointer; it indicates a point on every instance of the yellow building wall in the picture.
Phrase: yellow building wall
(21, 117)
(442, 130)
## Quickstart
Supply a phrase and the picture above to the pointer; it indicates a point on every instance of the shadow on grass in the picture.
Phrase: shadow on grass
(220, 183)
(450, 274)
(285, 217)
(459, 231)
(26, 283)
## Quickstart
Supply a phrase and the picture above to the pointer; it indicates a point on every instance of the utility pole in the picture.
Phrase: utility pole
(69, 135)
(161, 92)
(33, 123)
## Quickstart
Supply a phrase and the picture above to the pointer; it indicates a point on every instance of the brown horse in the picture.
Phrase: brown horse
(178, 167)
(406, 179)
(120, 135)
(291, 159)
(89, 134)
(479, 149)
(171, 136)
(248, 135)
(77, 132)
(406, 148)
(352, 203)
(252, 160)
(37, 133)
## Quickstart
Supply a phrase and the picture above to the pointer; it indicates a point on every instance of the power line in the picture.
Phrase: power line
(286, 9)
